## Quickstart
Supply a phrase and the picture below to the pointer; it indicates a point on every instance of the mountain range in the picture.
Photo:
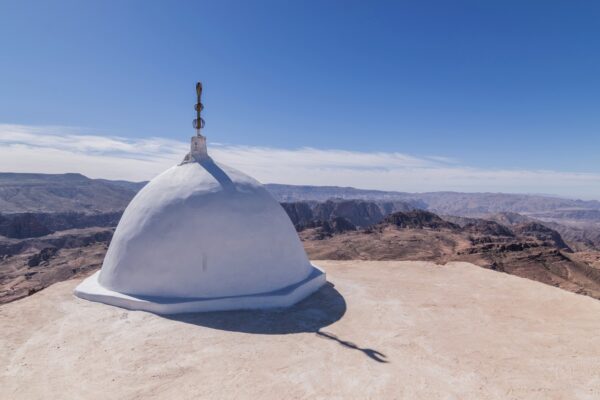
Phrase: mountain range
(76, 193)
(21, 193)
(53, 227)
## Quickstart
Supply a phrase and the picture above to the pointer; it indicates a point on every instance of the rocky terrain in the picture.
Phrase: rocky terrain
(522, 247)
(529, 249)
(53, 227)
(576, 220)
(30, 265)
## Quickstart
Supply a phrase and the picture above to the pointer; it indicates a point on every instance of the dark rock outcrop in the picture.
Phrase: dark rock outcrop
(65, 239)
(44, 255)
(491, 228)
(542, 233)
(300, 213)
(358, 212)
(21, 226)
(338, 225)
(27, 225)
(418, 219)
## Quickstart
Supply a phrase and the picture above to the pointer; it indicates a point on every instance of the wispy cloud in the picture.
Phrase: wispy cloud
(60, 149)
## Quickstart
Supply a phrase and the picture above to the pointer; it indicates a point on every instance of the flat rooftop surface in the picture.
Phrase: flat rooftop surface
(384, 330)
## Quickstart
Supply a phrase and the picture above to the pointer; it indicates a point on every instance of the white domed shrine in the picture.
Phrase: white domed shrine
(202, 236)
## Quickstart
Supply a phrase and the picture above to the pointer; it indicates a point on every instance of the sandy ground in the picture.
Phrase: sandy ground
(386, 330)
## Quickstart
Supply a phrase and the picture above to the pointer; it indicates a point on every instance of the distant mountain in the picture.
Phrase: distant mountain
(292, 193)
(359, 213)
(447, 203)
(77, 193)
(30, 225)
(133, 186)
(480, 204)
(577, 221)
(581, 235)
(20, 193)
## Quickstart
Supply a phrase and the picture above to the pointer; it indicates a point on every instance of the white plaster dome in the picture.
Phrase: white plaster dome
(203, 230)
(202, 236)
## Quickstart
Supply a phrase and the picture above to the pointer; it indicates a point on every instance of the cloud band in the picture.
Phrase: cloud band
(64, 149)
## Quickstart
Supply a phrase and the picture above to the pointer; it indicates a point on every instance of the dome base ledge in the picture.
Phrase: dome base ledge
(90, 289)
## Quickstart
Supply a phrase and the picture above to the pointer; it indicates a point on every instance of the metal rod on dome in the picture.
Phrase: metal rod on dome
(199, 122)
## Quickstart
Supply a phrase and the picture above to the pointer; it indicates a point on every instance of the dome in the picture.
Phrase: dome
(202, 236)
(203, 230)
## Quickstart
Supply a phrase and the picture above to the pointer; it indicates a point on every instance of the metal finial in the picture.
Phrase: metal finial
(199, 122)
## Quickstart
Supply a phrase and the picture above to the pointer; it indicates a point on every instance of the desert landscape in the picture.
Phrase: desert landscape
(418, 303)
(57, 227)
(299, 200)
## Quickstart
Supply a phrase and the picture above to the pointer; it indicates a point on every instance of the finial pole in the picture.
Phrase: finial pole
(198, 143)
(199, 122)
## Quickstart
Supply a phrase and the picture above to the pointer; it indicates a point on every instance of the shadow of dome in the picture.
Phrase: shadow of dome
(322, 308)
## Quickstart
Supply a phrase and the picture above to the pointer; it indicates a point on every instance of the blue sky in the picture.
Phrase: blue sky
(488, 86)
